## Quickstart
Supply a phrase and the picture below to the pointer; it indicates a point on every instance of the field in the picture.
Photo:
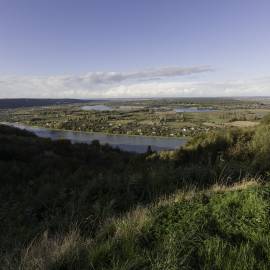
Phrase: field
(152, 117)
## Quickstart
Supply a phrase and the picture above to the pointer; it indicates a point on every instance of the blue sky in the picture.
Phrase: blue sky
(127, 48)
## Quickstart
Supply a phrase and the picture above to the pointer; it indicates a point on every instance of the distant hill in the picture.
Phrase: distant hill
(31, 102)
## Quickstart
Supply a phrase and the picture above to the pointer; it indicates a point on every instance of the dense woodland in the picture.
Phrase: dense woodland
(79, 206)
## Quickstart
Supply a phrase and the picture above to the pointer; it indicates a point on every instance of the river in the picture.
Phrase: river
(138, 144)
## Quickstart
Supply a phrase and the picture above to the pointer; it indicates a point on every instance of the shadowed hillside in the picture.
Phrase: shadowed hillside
(61, 203)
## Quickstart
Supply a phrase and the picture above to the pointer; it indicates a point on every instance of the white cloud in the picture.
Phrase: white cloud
(162, 82)
(117, 77)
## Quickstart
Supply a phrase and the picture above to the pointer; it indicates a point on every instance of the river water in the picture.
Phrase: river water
(138, 144)
(96, 108)
(193, 109)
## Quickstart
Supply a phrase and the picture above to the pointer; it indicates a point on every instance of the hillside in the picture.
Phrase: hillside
(221, 228)
(66, 206)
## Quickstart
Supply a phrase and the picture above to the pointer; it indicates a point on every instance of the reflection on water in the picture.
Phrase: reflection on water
(138, 144)
(193, 109)
(96, 108)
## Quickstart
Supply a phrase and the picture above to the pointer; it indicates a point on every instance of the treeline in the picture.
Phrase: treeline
(11, 103)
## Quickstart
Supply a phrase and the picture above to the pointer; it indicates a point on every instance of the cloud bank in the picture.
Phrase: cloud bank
(117, 77)
(160, 82)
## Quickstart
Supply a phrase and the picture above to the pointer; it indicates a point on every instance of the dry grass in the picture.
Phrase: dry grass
(242, 124)
(128, 225)
(246, 183)
(191, 192)
(46, 253)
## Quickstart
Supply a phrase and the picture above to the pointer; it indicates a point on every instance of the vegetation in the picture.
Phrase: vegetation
(204, 230)
(11, 103)
(79, 206)
(146, 117)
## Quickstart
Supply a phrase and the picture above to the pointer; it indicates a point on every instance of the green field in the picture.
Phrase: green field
(146, 117)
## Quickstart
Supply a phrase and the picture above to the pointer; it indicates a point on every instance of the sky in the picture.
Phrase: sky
(128, 48)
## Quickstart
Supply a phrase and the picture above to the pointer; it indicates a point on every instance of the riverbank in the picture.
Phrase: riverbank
(137, 144)
(99, 133)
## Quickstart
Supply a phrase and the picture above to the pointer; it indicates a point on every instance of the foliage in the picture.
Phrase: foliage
(55, 186)
(206, 230)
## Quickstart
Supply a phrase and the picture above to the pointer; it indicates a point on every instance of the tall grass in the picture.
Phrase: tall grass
(178, 221)
(68, 251)
(218, 228)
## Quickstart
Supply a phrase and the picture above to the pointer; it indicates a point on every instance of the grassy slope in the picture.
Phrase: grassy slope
(60, 209)
(219, 228)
